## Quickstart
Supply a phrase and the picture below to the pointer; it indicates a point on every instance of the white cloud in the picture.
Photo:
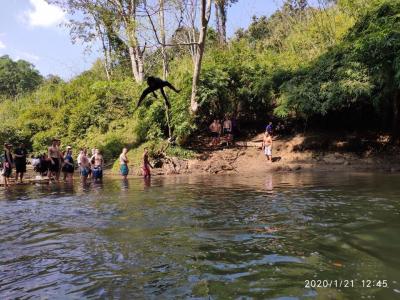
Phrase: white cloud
(27, 56)
(43, 14)
(2, 45)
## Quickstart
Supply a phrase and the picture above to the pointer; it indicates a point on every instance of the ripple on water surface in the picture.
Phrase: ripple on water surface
(221, 237)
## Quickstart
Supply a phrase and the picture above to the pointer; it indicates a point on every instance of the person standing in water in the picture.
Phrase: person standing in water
(123, 163)
(7, 164)
(54, 157)
(97, 170)
(84, 166)
(146, 164)
(20, 162)
(267, 146)
(69, 167)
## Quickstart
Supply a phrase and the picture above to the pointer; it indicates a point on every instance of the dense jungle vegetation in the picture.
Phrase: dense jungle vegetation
(327, 66)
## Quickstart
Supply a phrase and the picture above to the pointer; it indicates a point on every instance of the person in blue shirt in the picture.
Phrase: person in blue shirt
(269, 128)
(69, 166)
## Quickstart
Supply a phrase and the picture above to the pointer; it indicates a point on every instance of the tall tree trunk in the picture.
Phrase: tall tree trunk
(107, 58)
(137, 63)
(205, 18)
(164, 57)
(217, 19)
(222, 16)
(163, 39)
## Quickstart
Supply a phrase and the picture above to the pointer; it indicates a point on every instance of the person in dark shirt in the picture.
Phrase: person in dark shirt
(7, 164)
(269, 129)
(69, 165)
(20, 155)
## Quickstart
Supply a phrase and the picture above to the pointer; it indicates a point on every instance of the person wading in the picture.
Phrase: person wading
(84, 166)
(97, 170)
(7, 164)
(123, 163)
(20, 162)
(54, 157)
(146, 164)
(69, 166)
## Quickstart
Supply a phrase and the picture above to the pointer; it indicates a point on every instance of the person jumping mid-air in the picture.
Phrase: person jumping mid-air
(155, 84)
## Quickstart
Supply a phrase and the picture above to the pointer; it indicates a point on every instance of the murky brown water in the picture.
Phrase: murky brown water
(222, 237)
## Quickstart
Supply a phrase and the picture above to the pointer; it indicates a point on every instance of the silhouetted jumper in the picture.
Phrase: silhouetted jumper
(154, 84)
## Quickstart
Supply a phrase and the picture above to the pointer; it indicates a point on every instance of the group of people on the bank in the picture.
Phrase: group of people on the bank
(56, 162)
(223, 131)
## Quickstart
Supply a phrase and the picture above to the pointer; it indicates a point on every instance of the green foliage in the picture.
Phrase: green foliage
(17, 77)
(361, 70)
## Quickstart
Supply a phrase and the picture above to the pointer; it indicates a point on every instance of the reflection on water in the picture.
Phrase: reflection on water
(222, 237)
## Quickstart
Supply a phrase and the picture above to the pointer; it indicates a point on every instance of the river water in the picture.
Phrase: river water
(214, 237)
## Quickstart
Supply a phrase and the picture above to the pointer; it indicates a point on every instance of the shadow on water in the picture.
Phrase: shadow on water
(222, 237)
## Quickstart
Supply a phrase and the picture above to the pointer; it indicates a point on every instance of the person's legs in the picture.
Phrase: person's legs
(269, 153)
(144, 94)
(54, 170)
(146, 171)
(165, 98)
(58, 172)
(214, 140)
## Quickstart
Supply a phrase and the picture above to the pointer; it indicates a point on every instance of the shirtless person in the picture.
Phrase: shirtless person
(227, 130)
(54, 158)
(84, 165)
(146, 164)
(215, 129)
(97, 171)
(267, 146)
(123, 163)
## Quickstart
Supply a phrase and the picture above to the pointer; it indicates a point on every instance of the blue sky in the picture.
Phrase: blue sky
(30, 30)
